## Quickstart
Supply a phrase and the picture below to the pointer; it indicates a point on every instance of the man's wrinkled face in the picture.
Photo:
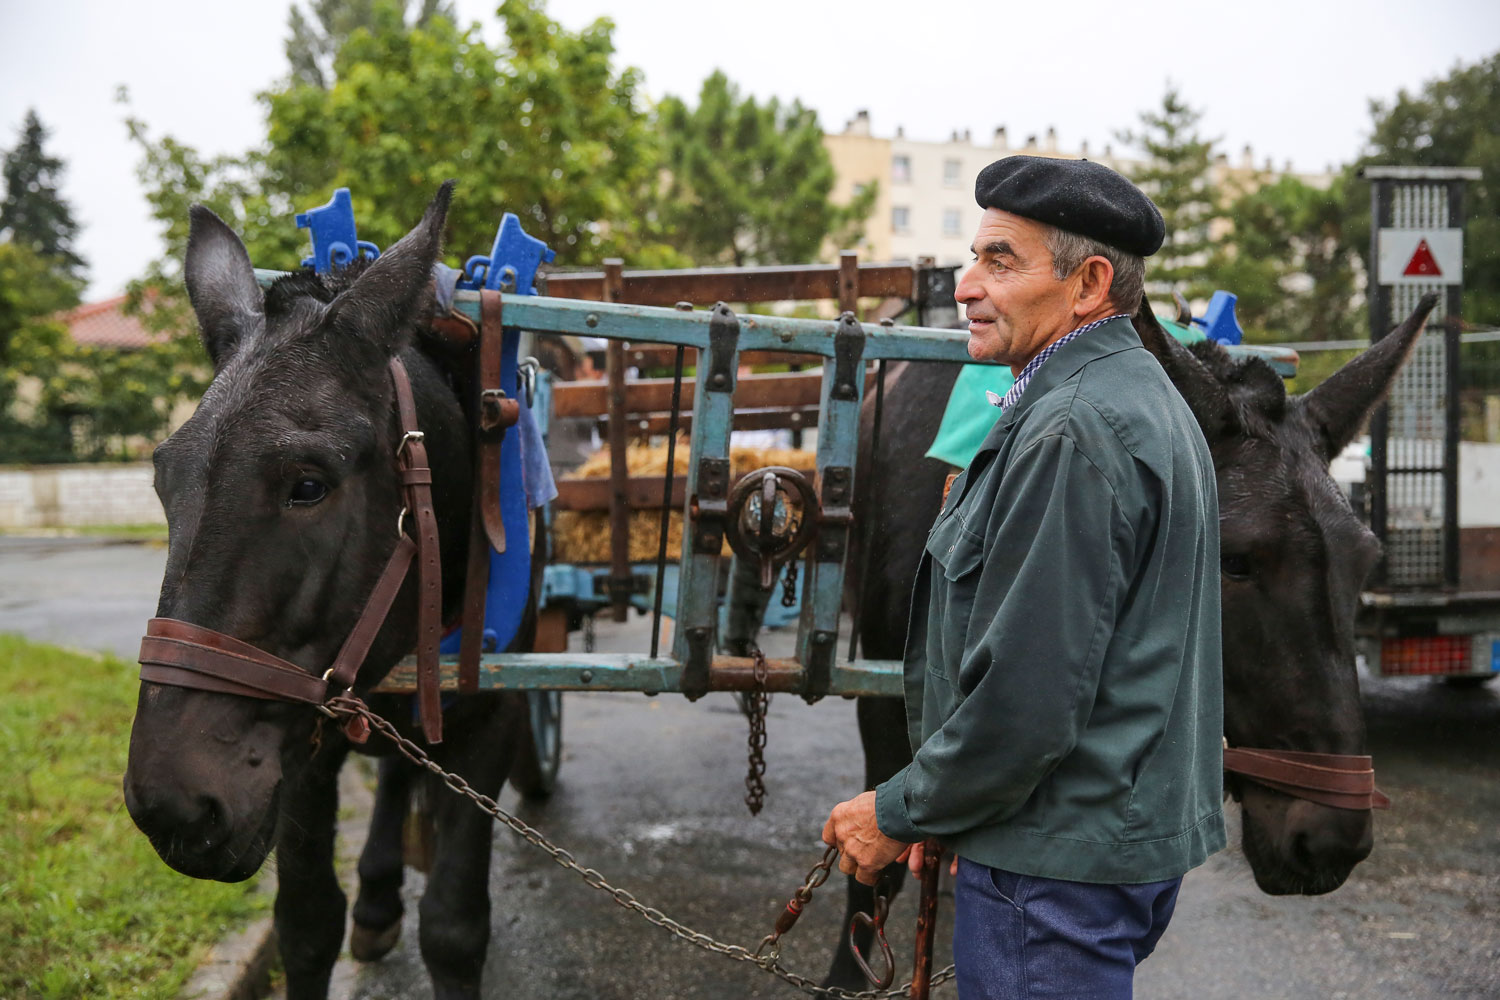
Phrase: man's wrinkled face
(1014, 304)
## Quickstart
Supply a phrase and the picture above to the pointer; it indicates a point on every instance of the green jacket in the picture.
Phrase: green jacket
(1063, 682)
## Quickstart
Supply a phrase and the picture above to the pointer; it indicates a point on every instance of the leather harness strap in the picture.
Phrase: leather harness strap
(181, 654)
(362, 636)
(416, 478)
(477, 574)
(493, 413)
(496, 412)
(1343, 781)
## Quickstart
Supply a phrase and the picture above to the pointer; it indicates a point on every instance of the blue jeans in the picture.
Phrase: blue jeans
(1021, 937)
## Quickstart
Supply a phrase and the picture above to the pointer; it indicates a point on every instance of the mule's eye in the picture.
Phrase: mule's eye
(1235, 565)
(306, 492)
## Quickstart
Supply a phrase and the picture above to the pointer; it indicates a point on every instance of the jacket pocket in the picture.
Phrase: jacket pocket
(956, 558)
(954, 548)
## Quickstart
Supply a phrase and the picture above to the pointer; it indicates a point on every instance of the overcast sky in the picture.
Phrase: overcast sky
(1292, 79)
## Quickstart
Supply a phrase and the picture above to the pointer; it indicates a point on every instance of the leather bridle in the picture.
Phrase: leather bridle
(181, 654)
(1343, 781)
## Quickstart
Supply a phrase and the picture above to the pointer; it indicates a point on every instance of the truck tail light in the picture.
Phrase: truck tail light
(1433, 654)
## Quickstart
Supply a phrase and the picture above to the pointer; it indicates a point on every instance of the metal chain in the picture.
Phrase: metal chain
(789, 585)
(588, 633)
(349, 708)
(756, 702)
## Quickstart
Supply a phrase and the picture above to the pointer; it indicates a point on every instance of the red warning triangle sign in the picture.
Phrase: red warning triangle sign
(1422, 263)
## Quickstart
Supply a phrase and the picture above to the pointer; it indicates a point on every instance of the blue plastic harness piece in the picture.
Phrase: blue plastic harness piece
(512, 262)
(1219, 322)
(515, 258)
(334, 242)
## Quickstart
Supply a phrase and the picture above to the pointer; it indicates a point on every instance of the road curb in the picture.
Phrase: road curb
(239, 966)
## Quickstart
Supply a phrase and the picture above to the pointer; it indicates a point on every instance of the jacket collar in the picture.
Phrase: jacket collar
(1113, 337)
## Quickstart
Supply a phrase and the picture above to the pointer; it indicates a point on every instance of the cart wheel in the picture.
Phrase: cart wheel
(535, 774)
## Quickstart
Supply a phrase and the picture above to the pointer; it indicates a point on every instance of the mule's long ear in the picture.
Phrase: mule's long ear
(383, 300)
(1184, 314)
(1205, 394)
(221, 285)
(1341, 404)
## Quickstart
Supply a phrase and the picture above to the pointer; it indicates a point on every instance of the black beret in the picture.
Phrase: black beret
(1075, 195)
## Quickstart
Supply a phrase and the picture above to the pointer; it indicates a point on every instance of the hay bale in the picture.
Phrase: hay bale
(583, 536)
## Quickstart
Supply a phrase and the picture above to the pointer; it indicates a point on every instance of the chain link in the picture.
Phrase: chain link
(756, 702)
(588, 633)
(349, 708)
(789, 585)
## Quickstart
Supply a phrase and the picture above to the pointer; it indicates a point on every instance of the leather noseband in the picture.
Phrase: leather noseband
(1343, 781)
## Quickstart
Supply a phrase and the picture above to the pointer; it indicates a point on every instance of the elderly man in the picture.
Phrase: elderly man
(1063, 687)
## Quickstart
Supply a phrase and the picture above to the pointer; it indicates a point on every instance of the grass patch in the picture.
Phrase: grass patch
(87, 909)
(142, 532)
(148, 531)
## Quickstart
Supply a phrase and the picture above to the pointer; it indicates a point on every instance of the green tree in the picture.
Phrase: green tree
(33, 349)
(33, 213)
(749, 183)
(1288, 260)
(1177, 174)
(1453, 121)
(313, 44)
(544, 126)
(40, 276)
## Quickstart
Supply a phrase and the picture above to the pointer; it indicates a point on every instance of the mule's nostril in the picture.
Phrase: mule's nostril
(198, 823)
(1302, 855)
(1338, 843)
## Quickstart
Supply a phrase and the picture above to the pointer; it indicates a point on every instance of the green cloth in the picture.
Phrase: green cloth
(970, 414)
(1064, 696)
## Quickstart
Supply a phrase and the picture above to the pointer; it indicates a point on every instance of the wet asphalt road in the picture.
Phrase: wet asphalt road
(650, 794)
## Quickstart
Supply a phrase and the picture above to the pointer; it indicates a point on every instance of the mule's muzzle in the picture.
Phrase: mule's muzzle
(1307, 816)
(1331, 841)
(1296, 847)
(196, 833)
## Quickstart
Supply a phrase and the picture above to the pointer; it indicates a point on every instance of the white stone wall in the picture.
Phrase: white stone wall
(72, 496)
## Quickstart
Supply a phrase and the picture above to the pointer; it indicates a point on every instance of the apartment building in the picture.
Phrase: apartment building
(925, 205)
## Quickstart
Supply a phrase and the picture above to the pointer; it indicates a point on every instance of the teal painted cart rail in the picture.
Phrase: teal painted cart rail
(693, 667)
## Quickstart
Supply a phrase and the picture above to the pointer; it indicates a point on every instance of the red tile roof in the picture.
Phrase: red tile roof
(105, 324)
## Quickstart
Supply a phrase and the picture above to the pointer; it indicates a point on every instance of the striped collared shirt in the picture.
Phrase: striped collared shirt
(1034, 365)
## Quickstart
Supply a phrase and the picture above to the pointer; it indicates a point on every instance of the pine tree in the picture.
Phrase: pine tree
(33, 213)
(1176, 174)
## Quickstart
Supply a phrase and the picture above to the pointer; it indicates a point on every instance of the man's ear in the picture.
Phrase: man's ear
(1094, 277)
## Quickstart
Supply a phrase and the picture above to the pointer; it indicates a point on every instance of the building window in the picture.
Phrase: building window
(951, 169)
(901, 170)
(900, 219)
(952, 222)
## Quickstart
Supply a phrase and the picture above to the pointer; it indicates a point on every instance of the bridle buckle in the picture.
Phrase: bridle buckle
(406, 439)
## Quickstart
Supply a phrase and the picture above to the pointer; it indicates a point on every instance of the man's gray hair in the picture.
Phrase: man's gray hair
(1069, 251)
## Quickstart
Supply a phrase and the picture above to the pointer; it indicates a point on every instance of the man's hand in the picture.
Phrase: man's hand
(863, 850)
